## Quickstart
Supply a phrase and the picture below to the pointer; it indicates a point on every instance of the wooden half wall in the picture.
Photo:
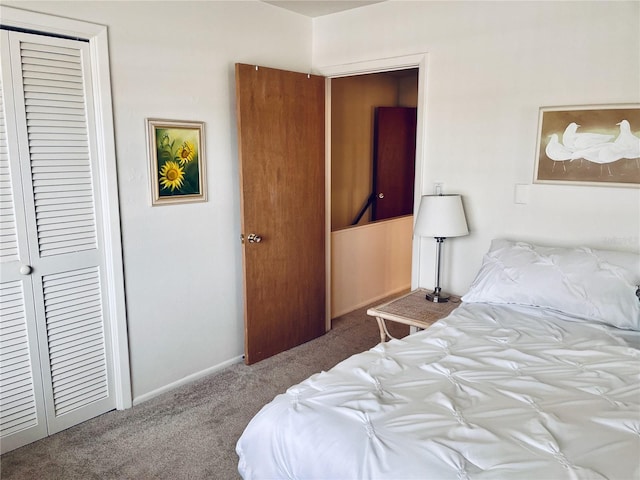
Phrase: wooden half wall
(370, 262)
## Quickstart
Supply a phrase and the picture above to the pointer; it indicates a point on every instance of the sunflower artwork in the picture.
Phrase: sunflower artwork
(178, 167)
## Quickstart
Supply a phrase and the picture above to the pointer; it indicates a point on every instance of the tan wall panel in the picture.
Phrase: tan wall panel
(370, 262)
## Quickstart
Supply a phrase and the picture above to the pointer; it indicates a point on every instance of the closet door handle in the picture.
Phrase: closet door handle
(26, 269)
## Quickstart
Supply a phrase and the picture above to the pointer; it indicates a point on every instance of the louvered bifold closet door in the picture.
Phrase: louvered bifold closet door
(54, 99)
(22, 411)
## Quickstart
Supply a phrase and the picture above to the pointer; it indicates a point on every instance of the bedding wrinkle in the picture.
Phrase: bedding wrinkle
(455, 459)
(542, 441)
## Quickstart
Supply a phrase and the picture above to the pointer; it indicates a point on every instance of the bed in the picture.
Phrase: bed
(535, 375)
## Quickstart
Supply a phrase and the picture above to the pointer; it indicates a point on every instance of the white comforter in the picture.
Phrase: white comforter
(490, 392)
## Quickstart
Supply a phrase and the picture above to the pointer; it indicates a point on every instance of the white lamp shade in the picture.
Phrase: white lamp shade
(441, 216)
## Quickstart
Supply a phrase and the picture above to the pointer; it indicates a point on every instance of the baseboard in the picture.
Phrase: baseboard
(369, 301)
(188, 379)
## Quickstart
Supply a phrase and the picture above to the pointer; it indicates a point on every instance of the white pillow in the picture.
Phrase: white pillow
(596, 285)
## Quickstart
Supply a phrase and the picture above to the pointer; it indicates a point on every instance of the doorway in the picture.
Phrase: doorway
(394, 256)
(375, 251)
(370, 116)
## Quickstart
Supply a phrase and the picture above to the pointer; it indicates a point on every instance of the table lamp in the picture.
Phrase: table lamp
(440, 217)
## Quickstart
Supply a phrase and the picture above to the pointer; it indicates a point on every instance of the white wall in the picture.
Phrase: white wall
(491, 65)
(183, 270)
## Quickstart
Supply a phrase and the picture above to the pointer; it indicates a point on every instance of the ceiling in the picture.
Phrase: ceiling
(317, 8)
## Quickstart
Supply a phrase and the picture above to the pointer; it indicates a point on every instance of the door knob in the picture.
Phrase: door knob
(26, 269)
(381, 195)
(253, 238)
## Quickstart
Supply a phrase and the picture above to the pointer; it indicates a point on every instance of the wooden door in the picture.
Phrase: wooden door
(281, 148)
(394, 161)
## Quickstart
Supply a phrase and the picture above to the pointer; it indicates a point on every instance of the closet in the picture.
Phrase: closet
(56, 353)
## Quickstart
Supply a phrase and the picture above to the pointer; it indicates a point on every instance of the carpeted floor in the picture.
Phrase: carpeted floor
(190, 432)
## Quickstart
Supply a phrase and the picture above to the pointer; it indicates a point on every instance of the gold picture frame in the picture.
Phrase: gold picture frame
(177, 161)
(589, 145)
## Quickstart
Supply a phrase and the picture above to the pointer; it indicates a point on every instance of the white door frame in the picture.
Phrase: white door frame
(419, 61)
(98, 42)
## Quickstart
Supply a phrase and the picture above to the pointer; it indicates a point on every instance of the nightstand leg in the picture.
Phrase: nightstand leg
(383, 330)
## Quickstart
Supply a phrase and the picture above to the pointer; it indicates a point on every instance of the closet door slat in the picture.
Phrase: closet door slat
(18, 408)
(87, 381)
(47, 103)
(8, 239)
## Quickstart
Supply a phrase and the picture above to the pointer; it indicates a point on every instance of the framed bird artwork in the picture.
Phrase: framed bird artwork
(589, 145)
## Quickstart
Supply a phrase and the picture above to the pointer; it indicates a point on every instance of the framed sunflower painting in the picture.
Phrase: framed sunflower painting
(177, 160)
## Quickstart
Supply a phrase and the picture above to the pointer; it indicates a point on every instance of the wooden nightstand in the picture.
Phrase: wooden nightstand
(412, 309)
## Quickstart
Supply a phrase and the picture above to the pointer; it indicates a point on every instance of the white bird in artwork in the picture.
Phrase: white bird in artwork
(599, 154)
(626, 145)
(592, 154)
(627, 142)
(581, 141)
(556, 151)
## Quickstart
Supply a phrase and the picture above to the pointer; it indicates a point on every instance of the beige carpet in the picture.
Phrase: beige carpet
(190, 432)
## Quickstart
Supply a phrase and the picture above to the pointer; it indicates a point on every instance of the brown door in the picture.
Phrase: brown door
(394, 161)
(281, 135)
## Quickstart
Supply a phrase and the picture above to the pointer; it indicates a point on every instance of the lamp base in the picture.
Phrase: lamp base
(437, 297)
